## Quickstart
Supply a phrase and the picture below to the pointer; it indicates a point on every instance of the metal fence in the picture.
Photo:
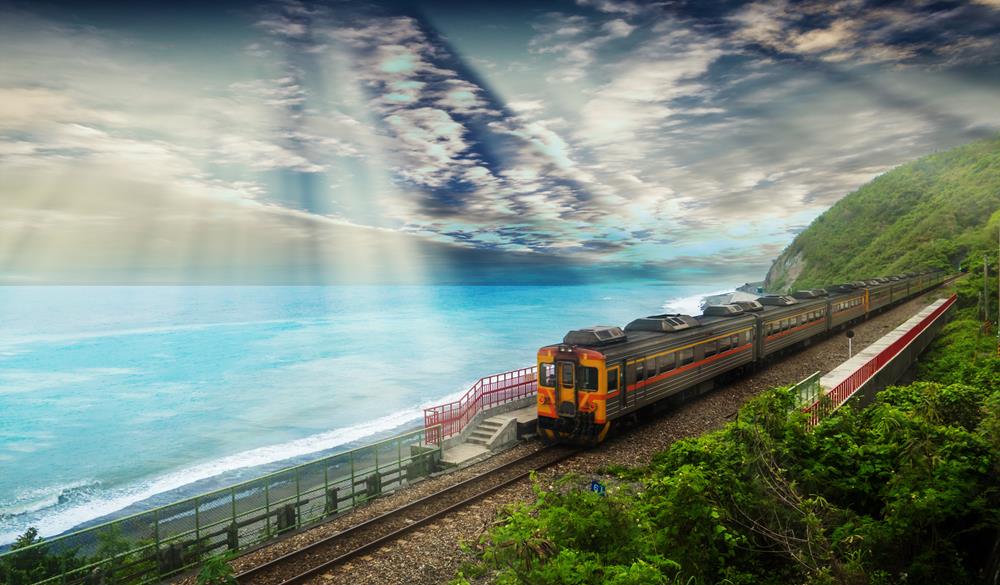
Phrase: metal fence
(486, 393)
(150, 546)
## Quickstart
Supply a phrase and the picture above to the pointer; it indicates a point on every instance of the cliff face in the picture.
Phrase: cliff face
(785, 270)
(921, 215)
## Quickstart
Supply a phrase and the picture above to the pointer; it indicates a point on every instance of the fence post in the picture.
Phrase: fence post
(156, 538)
(326, 487)
(267, 507)
(197, 518)
(298, 496)
(354, 501)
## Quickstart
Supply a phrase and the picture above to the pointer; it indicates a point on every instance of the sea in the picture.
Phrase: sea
(118, 399)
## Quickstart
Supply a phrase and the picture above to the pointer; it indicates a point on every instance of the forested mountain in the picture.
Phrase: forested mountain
(929, 213)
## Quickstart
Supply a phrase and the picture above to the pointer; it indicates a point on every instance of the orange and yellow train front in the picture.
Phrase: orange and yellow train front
(572, 395)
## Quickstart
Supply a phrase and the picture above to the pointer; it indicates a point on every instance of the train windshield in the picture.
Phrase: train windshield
(586, 378)
(547, 375)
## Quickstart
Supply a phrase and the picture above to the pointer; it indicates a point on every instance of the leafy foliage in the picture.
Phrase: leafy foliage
(216, 570)
(926, 214)
(901, 492)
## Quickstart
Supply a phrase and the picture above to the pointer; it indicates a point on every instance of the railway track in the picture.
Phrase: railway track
(318, 557)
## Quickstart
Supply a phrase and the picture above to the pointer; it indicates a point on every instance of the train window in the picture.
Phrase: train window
(665, 363)
(629, 374)
(586, 378)
(640, 371)
(735, 340)
(547, 375)
(613, 380)
(724, 344)
(686, 356)
(711, 348)
(650, 368)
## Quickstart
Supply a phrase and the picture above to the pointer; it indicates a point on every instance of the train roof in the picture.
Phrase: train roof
(675, 329)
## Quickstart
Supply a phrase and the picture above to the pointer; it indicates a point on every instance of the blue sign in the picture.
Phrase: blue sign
(597, 487)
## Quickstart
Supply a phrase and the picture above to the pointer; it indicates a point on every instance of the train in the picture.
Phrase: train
(602, 376)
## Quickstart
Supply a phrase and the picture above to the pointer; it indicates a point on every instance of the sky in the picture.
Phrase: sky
(461, 142)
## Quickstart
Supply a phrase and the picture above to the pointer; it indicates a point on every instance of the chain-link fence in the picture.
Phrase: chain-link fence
(150, 546)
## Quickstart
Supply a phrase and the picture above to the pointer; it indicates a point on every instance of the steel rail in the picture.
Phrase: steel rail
(254, 574)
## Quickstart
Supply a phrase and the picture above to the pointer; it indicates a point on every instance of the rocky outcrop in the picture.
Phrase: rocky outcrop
(786, 268)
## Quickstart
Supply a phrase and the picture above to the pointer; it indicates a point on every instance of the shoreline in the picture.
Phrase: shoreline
(67, 510)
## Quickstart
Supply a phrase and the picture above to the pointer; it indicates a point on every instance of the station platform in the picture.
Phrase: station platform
(490, 435)
(859, 379)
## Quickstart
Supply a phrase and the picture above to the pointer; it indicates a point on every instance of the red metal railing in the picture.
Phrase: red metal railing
(486, 393)
(837, 396)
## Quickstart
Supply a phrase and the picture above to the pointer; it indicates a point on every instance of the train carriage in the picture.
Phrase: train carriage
(787, 321)
(601, 374)
(847, 303)
(899, 290)
(879, 295)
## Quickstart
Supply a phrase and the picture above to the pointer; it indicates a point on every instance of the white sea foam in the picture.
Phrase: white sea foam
(34, 500)
(690, 305)
(51, 517)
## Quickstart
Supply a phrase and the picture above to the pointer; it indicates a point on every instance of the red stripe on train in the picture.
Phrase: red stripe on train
(687, 367)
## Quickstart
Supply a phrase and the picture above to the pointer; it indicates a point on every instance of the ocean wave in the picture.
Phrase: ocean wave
(34, 500)
(690, 305)
(58, 509)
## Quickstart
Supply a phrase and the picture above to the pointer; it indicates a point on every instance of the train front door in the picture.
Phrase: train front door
(567, 389)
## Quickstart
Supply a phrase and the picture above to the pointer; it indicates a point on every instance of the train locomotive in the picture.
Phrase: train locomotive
(600, 376)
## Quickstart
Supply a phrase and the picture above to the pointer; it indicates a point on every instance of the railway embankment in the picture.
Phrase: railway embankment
(434, 553)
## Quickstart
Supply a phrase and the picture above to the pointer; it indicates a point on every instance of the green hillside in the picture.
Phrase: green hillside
(926, 214)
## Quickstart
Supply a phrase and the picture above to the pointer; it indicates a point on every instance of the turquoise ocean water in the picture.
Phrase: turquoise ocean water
(115, 398)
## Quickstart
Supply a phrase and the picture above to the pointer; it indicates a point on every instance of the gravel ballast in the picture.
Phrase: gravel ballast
(432, 554)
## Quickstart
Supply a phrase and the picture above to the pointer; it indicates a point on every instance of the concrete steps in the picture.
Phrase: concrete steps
(485, 431)
(488, 435)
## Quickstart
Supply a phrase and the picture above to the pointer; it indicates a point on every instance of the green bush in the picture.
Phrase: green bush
(901, 492)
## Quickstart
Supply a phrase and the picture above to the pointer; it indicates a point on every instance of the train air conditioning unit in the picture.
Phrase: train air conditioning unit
(663, 323)
(597, 335)
(748, 306)
(777, 300)
(730, 310)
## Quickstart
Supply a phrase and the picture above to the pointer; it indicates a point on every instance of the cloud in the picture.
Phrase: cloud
(576, 40)
(362, 142)
(626, 7)
(859, 33)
